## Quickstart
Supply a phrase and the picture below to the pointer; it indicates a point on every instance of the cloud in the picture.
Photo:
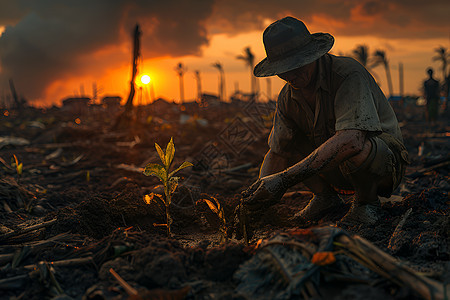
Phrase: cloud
(46, 41)
(387, 19)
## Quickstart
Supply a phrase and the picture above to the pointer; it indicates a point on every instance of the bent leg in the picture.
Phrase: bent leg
(371, 173)
(325, 198)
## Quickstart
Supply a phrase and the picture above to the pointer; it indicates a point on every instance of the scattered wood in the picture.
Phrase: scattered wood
(154, 294)
(5, 258)
(19, 232)
(65, 263)
(434, 135)
(423, 171)
(14, 283)
(387, 266)
(131, 291)
(396, 235)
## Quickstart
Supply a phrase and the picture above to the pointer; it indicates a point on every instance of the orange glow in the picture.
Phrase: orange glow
(78, 121)
(323, 258)
(145, 79)
(6, 113)
(164, 82)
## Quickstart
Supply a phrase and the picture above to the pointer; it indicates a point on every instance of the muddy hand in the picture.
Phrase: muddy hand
(265, 192)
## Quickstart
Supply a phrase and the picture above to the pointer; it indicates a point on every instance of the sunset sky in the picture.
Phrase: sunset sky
(56, 49)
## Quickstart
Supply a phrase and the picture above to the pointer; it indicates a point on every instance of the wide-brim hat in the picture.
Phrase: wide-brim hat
(289, 45)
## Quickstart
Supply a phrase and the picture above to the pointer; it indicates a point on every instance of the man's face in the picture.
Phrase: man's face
(300, 77)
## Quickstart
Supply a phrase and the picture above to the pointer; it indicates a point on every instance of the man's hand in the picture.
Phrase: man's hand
(265, 192)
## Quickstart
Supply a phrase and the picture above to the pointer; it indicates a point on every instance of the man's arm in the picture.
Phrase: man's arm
(343, 145)
(273, 163)
(340, 147)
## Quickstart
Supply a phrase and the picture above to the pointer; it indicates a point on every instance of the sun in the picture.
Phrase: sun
(145, 79)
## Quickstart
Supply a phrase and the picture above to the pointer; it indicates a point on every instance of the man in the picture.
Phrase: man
(333, 129)
(431, 89)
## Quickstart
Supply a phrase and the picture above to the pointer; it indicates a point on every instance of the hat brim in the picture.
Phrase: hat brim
(320, 44)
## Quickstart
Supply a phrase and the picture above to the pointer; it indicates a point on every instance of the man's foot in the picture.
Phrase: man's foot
(318, 207)
(367, 214)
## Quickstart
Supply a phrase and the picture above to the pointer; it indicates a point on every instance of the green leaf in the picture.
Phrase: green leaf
(156, 170)
(183, 165)
(161, 153)
(19, 169)
(170, 153)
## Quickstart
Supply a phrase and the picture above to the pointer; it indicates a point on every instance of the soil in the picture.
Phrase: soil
(85, 179)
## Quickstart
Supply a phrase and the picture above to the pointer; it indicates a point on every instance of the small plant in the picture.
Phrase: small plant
(169, 182)
(18, 167)
(218, 210)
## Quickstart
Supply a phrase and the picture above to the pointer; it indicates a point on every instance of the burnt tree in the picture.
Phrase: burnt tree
(125, 118)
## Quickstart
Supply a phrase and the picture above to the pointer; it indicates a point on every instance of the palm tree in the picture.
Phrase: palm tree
(380, 58)
(249, 58)
(443, 57)
(181, 69)
(199, 85)
(219, 67)
(361, 54)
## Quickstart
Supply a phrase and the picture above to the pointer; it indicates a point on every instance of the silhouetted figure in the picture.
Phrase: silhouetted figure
(333, 130)
(431, 89)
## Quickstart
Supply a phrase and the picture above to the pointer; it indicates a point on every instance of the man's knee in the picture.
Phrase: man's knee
(360, 160)
(377, 165)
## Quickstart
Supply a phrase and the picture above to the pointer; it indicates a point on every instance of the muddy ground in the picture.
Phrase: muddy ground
(82, 182)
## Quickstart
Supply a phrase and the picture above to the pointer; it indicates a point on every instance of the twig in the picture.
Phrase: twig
(287, 277)
(421, 172)
(392, 269)
(398, 228)
(131, 291)
(15, 282)
(66, 263)
(27, 229)
(4, 258)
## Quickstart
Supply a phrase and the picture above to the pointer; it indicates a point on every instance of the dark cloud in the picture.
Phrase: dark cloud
(389, 19)
(47, 40)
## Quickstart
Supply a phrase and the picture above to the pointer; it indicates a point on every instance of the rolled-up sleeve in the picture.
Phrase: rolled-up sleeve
(282, 134)
(354, 105)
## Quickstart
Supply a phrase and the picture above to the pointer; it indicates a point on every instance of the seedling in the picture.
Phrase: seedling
(218, 210)
(18, 166)
(169, 181)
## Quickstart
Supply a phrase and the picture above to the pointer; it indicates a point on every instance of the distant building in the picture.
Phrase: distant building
(239, 97)
(76, 105)
(209, 100)
(161, 104)
(111, 102)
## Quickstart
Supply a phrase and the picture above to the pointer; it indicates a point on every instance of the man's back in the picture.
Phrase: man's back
(431, 89)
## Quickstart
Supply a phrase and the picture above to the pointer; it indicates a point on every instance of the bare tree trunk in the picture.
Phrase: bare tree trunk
(389, 79)
(17, 103)
(222, 85)
(125, 118)
(401, 82)
(181, 88)
(136, 54)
